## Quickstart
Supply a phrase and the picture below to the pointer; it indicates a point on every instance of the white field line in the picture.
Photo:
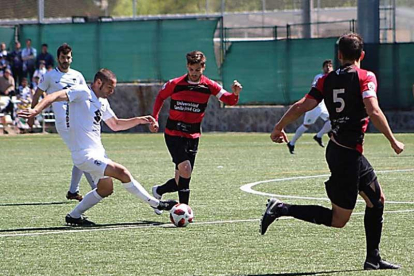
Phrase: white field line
(248, 188)
(59, 232)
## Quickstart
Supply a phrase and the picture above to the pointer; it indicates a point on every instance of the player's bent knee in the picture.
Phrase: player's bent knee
(184, 169)
(373, 196)
(339, 222)
(105, 187)
(105, 192)
(340, 218)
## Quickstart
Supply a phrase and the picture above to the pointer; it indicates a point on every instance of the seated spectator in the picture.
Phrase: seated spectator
(6, 89)
(3, 51)
(41, 71)
(25, 94)
(3, 63)
(46, 57)
(24, 97)
(7, 84)
(35, 82)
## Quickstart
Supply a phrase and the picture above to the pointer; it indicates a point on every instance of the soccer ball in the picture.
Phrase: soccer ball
(181, 215)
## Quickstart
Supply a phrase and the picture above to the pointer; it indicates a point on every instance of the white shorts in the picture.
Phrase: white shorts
(312, 115)
(94, 164)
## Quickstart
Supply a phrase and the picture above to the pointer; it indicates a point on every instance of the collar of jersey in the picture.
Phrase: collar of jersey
(193, 82)
(57, 69)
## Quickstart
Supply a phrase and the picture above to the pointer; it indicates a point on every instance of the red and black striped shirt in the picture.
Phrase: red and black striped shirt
(188, 104)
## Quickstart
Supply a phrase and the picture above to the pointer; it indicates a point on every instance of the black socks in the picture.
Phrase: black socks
(184, 190)
(310, 213)
(373, 221)
(169, 187)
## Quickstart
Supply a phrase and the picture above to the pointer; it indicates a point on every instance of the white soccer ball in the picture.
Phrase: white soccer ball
(181, 215)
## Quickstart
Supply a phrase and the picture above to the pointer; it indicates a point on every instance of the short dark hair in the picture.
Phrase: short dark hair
(326, 61)
(351, 46)
(196, 57)
(64, 49)
(104, 75)
(44, 45)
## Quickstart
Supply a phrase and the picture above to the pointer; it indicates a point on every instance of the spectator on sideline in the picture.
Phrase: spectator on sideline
(7, 88)
(29, 55)
(41, 70)
(35, 83)
(3, 64)
(46, 57)
(16, 63)
(4, 52)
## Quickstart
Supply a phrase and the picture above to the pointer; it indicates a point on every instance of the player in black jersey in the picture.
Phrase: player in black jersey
(351, 99)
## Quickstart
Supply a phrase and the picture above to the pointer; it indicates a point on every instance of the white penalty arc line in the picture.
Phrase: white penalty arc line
(248, 188)
(83, 230)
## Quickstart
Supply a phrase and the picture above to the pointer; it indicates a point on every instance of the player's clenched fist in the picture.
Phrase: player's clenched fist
(236, 87)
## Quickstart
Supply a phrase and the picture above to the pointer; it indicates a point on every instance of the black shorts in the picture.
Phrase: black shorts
(182, 149)
(350, 173)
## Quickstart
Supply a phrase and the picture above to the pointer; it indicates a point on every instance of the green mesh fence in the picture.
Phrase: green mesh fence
(272, 72)
(392, 64)
(276, 72)
(280, 72)
(134, 50)
(7, 36)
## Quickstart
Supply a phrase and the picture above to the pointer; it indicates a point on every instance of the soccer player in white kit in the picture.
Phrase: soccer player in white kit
(57, 79)
(88, 106)
(312, 115)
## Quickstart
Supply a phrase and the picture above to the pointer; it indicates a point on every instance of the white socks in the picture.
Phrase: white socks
(325, 129)
(75, 180)
(90, 180)
(302, 129)
(89, 200)
(136, 189)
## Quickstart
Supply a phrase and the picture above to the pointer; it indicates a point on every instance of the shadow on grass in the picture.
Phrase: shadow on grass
(306, 273)
(34, 203)
(144, 223)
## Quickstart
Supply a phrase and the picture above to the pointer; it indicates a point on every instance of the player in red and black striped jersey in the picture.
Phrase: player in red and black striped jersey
(189, 97)
(351, 99)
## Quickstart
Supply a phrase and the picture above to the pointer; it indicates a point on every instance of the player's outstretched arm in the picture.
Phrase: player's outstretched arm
(305, 104)
(36, 96)
(380, 122)
(48, 100)
(117, 124)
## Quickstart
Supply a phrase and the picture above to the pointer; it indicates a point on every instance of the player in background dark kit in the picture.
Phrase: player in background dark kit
(189, 97)
(350, 95)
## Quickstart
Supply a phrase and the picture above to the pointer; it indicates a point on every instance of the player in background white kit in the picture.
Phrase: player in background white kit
(312, 115)
(88, 106)
(55, 80)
